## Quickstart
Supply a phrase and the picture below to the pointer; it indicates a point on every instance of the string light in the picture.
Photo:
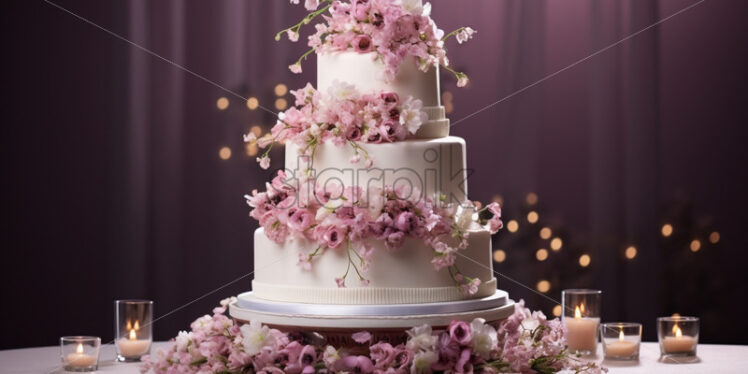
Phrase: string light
(499, 255)
(584, 260)
(222, 103)
(531, 198)
(281, 103)
(512, 226)
(543, 286)
(557, 311)
(224, 153)
(556, 244)
(667, 230)
(541, 254)
(253, 103)
(498, 199)
(533, 217)
(257, 130)
(714, 237)
(281, 89)
(630, 252)
(695, 245)
(545, 233)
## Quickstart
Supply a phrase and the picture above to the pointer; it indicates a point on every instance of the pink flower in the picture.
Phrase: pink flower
(383, 355)
(406, 222)
(304, 262)
(340, 282)
(362, 43)
(460, 332)
(354, 364)
(250, 137)
(264, 162)
(300, 220)
(462, 80)
(295, 68)
(465, 34)
(362, 337)
(334, 236)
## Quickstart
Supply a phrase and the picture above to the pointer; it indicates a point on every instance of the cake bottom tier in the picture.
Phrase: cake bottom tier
(396, 277)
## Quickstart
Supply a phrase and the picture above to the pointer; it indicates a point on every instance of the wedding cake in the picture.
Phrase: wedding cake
(369, 224)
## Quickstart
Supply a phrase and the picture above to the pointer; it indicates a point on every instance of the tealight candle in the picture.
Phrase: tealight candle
(621, 340)
(678, 336)
(80, 353)
(582, 325)
(133, 329)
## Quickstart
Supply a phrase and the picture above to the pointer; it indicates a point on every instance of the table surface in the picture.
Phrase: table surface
(712, 359)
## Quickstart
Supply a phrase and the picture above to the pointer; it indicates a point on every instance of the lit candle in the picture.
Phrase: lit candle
(132, 347)
(80, 359)
(581, 331)
(678, 343)
(621, 347)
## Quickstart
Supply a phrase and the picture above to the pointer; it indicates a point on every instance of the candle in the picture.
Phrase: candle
(621, 348)
(132, 347)
(678, 343)
(581, 331)
(80, 359)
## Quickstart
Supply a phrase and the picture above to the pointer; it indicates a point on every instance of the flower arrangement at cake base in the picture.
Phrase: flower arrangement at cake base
(526, 342)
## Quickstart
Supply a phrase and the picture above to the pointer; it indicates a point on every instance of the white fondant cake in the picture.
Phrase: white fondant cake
(433, 166)
(403, 276)
(432, 162)
(365, 71)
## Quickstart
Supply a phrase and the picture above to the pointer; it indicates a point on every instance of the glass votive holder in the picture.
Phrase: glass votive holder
(80, 353)
(581, 316)
(621, 340)
(132, 329)
(678, 337)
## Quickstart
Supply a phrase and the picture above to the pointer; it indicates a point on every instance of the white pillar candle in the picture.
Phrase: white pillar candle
(581, 332)
(621, 348)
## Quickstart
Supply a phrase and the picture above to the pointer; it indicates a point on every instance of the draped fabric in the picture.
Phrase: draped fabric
(598, 131)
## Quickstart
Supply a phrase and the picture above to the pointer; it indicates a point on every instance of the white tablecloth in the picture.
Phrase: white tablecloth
(714, 359)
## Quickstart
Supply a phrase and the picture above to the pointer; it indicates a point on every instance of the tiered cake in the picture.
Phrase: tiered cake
(297, 279)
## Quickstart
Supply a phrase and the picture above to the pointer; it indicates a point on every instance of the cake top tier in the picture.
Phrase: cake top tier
(394, 30)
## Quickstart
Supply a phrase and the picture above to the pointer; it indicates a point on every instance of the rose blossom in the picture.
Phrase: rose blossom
(460, 332)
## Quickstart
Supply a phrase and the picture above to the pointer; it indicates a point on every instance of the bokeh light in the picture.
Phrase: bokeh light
(630, 252)
(557, 311)
(533, 217)
(667, 230)
(556, 244)
(543, 286)
(499, 255)
(253, 103)
(224, 153)
(222, 103)
(695, 245)
(545, 233)
(541, 254)
(531, 198)
(280, 89)
(512, 226)
(281, 103)
(714, 237)
(584, 260)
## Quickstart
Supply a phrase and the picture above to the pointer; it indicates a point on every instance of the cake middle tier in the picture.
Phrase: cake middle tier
(434, 167)
(402, 276)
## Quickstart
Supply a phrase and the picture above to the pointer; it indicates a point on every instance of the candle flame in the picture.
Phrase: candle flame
(79, 348)
(620, 335)
(581, 307)
(577, 312)
(132, 335)
(129, 325)
(676, 330)
(137, 325)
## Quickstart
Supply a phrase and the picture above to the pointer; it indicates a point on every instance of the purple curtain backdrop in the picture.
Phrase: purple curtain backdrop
(115, 187)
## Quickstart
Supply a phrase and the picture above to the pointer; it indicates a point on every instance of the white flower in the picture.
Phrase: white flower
(330, 355)
(250, 137)
(465, 35)
(183, 340)
(413, 6)
(464, 217)
(421, 338)
(322, 212)
(341, 90)
(411, 115)
(422, 362)
(225, 302)
(256, 336)
(484, 337)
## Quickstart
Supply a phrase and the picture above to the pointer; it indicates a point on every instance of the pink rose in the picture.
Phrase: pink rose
(354, 364)
(362, 43)
(460, 332)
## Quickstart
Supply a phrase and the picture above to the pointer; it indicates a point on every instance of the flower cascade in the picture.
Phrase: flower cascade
(393, 29)
(342, 116)
(347, 218)
(524, 343)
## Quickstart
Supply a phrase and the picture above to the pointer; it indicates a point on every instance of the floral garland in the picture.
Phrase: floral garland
(526, 342)
(342, 116)
(337, 218)
(394, 29)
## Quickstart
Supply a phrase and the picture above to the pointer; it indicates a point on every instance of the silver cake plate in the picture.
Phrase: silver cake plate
(248, 307)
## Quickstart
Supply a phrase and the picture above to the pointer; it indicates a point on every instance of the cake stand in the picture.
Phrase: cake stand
(336, 323)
